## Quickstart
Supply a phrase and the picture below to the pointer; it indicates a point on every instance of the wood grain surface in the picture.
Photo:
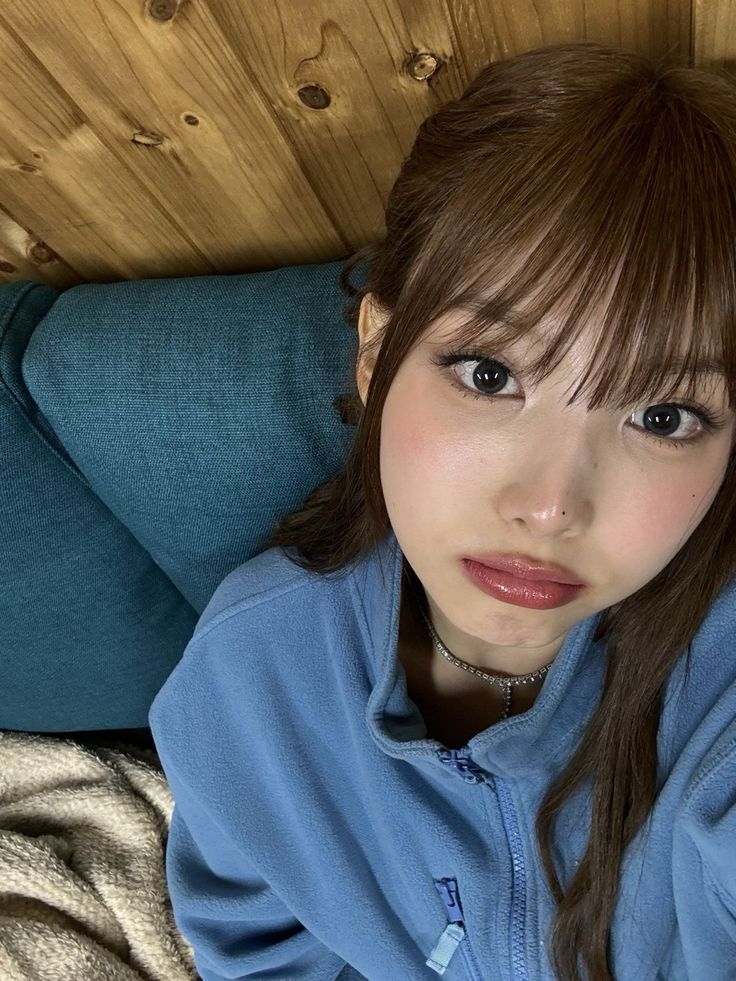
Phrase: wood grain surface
(194, 137)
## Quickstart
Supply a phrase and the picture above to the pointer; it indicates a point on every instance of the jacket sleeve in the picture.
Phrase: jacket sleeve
(704, 867)
(237, 926)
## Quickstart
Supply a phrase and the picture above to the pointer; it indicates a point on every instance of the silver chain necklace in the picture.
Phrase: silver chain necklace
(494, 679)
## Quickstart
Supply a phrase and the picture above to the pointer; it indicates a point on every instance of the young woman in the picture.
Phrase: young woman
(473, 712)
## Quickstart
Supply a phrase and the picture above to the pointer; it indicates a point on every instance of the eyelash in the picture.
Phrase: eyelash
(710, 422)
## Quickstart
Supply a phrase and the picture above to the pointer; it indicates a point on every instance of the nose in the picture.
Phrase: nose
(550, 488)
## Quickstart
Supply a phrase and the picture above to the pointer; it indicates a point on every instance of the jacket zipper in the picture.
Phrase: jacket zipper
(454, 934)
(518, 885)
(465, 767)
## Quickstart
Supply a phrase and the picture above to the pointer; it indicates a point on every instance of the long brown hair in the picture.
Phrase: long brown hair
(617, 172)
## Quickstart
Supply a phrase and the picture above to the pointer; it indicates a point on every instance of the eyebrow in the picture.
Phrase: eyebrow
(706, 366)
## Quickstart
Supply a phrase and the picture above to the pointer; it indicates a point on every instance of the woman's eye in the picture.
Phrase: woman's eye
(668, 417)
(490, 374)
(483, 377)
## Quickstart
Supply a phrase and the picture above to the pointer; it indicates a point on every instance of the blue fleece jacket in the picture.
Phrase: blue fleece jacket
(318, 833)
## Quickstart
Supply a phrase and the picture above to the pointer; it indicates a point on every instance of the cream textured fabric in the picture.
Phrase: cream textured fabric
(83, 890)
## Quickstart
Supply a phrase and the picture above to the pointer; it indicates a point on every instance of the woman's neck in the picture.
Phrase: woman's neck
(444, 688)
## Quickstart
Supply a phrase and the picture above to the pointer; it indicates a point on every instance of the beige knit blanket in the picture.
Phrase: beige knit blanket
(83, 893)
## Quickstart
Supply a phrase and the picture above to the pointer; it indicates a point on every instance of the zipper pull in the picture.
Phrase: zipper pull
(454, 932)
(464, 765)
(445, 947)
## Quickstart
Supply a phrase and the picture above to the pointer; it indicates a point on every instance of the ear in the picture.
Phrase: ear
(370, 323)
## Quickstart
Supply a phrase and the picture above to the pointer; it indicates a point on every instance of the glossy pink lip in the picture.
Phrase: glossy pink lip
(524, 568)
(540, 595)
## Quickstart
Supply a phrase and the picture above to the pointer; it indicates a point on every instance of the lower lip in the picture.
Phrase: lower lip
(541, 595)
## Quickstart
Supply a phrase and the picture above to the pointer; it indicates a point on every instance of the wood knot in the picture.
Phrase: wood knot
(423, 65)
(314, 96)
(40, 252)
(162, 10)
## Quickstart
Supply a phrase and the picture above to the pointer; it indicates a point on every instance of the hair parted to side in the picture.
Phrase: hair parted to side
(603, 171)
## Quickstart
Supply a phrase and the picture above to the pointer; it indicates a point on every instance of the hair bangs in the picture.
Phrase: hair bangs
(654, 300)
(636, 352)
(614, 232)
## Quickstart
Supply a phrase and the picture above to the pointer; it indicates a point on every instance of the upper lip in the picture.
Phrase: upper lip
(527, 568)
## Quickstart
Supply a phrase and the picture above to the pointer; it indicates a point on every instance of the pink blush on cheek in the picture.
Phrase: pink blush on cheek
(662, 530)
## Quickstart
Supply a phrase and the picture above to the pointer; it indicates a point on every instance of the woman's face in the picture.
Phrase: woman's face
(520, 471)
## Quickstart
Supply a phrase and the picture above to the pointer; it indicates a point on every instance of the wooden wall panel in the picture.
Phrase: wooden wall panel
(175, 138)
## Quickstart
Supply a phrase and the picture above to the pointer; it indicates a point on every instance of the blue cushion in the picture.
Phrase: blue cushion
(176, 420)
(89, 626)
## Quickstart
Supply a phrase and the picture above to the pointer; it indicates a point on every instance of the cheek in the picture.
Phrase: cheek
(411, 455)
(404, 464)
(661, 514)
(418, 452)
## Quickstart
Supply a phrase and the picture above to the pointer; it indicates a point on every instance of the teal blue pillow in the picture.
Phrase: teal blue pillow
(191, 413)
(89, 625)
(199, 409)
